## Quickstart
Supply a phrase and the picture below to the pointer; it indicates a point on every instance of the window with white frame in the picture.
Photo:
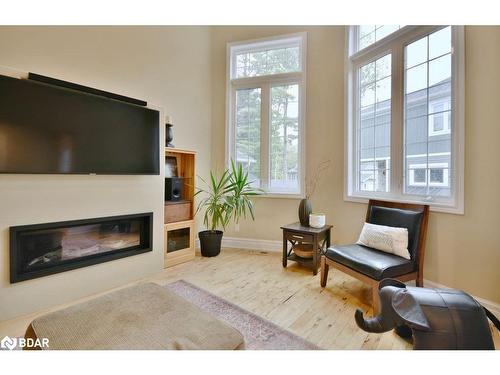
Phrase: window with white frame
(369, 34)
(436, 174)
(440, 119)
(266, 103)
(405, 115)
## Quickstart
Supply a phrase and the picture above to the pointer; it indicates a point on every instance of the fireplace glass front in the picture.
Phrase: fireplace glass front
(38, 250)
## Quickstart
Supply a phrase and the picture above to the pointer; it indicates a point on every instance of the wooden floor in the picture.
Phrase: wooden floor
(291, 298)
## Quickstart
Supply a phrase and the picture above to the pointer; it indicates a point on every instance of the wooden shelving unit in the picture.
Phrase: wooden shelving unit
(179, 228)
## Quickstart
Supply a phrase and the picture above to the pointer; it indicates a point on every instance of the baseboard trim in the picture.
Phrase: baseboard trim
(277, 246)
(490, 305)
(252, 244)
(249, 244)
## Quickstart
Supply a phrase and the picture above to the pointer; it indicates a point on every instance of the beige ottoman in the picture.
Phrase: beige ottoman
(146, 316)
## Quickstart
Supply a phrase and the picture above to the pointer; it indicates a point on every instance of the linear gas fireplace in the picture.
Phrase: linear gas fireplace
(44, 249)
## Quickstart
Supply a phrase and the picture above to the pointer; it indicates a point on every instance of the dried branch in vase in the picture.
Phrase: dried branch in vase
(313, 180)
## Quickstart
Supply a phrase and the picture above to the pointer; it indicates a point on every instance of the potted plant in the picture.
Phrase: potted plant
(226, 197)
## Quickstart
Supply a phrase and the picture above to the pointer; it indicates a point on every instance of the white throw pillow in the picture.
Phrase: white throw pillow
(388, 239)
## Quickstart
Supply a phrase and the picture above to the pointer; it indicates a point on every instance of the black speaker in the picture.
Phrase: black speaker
(173, 189)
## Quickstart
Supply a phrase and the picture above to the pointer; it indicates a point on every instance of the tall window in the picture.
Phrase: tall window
(374, 126)
(369, 34)
(427, 108)
(405, 115)
(266, 106)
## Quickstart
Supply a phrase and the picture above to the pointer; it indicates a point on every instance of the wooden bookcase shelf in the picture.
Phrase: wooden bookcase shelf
(179, 227)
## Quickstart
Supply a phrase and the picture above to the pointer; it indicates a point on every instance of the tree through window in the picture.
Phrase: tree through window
(266, 111)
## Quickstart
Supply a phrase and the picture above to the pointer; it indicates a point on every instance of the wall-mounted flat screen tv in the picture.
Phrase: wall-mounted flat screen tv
(50, 129)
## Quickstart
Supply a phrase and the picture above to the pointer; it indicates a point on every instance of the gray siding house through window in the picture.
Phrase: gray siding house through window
(427, 142)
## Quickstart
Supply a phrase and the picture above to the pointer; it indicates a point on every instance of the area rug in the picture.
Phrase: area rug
(259, 333)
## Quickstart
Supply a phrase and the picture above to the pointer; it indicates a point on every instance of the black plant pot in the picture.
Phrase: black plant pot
(210, 242)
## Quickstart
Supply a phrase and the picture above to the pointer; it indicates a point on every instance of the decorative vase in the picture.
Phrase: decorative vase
(317, 220)
(304, 212)
(170, 135)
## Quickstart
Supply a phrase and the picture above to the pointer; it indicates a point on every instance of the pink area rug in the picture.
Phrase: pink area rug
(259, 333)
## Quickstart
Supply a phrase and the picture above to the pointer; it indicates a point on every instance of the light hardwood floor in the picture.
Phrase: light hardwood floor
(291, 298)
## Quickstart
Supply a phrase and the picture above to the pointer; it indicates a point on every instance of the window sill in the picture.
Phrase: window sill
(279, 196)
(434, 207)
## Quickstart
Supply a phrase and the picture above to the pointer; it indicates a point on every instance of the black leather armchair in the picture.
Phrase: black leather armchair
(370, 265)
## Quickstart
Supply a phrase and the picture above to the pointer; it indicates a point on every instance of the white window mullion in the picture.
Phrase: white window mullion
(302, 135)
(264, 136)
(397, 119)
(458, 114)
(231, 130)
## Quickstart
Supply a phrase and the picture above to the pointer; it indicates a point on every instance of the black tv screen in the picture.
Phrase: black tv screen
(50, 129)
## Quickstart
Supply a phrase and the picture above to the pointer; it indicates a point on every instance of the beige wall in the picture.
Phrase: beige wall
(180, 69)
(463, 251)
(167, 66)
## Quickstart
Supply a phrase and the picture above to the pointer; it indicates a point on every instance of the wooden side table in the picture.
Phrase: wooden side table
(296, 233)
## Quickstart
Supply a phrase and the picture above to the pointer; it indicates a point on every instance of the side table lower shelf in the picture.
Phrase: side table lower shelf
(308, 262)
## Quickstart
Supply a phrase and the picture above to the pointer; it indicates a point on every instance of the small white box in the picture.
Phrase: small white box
(317, 220)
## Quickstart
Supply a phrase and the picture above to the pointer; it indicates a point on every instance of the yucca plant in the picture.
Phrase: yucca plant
(226, 197)
(216, 205)
(240, 190)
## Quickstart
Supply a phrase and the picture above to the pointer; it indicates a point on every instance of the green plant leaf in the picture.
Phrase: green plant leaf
(226, 197)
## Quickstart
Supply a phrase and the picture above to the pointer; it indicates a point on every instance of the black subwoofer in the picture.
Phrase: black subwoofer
(173, 189)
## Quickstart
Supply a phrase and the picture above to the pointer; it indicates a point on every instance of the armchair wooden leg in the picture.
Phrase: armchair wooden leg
(375, 299)
(324, 272)
(420, 280)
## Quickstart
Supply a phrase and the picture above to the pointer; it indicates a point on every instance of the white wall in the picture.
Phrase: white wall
(168, 67)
